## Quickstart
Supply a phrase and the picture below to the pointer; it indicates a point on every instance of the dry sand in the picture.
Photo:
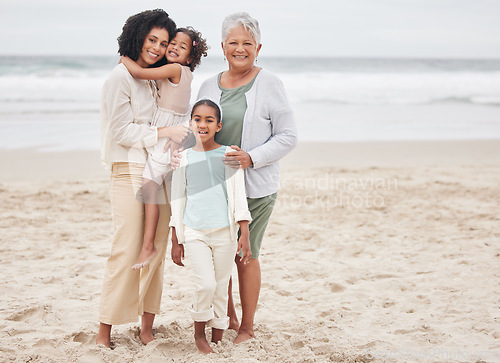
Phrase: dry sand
(375, 252)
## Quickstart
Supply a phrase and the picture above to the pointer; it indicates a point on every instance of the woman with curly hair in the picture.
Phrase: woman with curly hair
(184, 53)
(127, 108)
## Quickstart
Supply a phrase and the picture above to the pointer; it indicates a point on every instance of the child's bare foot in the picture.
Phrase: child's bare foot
(145, 257)
(243, 335)
(217, 335)
(146, 337)
(202, 344)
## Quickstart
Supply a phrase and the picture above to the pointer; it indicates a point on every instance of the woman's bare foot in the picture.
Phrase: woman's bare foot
(234, 324)
(244, 335)
(145, 257)
(104, 335)
(103, 341)
(146, 337)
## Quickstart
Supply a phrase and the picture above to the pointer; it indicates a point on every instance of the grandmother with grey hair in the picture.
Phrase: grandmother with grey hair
(259, 125)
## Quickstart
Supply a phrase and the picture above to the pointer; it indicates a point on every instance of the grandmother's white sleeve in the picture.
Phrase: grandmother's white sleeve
(284, 129)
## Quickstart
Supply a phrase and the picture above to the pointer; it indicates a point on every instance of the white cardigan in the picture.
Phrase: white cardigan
(127, 108)
(269, 130)
(236, 198)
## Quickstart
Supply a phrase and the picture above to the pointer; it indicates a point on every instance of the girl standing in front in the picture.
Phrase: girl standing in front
(208, 206)
(183, 54)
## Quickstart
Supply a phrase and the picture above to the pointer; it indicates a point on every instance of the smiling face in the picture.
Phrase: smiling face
(154, 47)
(205, 123)
(179, 49)
(240, 48)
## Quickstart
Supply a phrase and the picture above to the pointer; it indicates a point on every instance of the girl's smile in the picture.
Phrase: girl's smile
(205, 124)
(179, 49)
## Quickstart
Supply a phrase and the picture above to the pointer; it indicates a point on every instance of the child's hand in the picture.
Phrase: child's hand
(176, 133)
(170, 145)
(244, 246)
(177, 253)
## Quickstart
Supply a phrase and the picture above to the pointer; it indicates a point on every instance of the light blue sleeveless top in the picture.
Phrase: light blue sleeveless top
(206, 205)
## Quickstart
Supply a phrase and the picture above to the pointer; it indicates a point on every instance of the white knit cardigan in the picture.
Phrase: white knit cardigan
(236, 198)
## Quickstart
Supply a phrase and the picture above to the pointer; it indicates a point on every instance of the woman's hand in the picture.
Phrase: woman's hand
(175, 158)
(238, 159)
(244, 247)
(176, 133)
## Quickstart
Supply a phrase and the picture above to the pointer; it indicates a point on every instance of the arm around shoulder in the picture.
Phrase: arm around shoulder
(167, 71)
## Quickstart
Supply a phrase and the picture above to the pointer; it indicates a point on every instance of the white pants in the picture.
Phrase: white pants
(210, 253)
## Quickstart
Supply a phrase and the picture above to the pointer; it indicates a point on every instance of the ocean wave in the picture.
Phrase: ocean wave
(486, 101)
(50, 112)
(336, 87)
(393, 88)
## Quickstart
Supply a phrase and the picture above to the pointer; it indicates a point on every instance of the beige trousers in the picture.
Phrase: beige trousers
(126, 293)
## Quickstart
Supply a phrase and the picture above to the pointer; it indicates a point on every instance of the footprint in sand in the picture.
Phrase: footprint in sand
(172, 350)
(26, 313)
(81, 337)
(298, 344)
(91, 357)
(334, 287)
(45, 343)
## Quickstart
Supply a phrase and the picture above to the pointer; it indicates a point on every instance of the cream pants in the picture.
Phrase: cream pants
(126, 293)
(210, 253)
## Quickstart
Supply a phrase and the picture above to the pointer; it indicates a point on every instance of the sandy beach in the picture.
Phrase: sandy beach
(376, 252)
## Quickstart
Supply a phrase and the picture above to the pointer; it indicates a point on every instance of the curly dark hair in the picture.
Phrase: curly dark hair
(136, 29)
(199, 48)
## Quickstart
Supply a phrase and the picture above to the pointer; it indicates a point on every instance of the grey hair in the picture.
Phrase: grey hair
(241, 19)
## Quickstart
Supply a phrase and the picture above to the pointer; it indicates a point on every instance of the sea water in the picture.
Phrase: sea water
(53, 102)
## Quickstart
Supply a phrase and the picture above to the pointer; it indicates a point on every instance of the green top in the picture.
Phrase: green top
(234, 105)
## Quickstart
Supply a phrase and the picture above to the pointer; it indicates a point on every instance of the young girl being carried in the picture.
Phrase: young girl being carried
(209, 205)
(183, 54)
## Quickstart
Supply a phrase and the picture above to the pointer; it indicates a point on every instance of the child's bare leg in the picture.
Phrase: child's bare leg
(200, 339)
(104, 335)
(231, 311)
(152, 212)
(217, 335)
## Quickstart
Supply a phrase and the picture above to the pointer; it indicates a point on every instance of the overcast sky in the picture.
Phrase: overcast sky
(339, 28)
